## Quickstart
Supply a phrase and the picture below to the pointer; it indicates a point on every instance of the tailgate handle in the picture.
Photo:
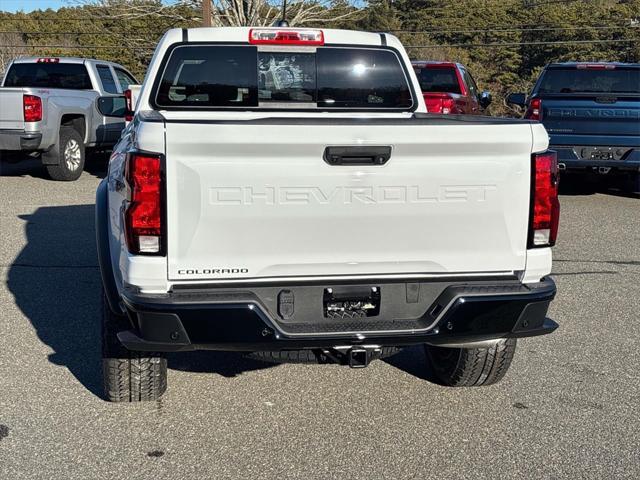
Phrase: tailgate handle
(357, 155)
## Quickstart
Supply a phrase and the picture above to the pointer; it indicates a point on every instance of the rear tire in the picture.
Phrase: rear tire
(128, 376)
(472, 367)
(70, 157)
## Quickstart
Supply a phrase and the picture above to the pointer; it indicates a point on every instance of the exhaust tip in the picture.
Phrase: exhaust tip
(562, 166)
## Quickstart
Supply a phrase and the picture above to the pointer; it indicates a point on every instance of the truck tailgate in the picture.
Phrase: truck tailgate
(592, 116)
(256, 199)
(11, 109)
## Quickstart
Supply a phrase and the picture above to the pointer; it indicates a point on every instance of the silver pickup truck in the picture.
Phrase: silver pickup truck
(52, 107)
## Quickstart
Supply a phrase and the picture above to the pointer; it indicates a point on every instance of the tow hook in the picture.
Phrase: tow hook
(355, 356)
(562, 166)
(604, 170)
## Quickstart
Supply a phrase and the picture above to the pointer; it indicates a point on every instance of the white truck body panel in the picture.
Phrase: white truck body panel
(452, 199)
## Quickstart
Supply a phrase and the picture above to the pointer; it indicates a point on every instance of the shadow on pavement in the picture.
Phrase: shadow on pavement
(590, 184)
(27, 166)
(96, 164)
(414, 361)
(226, 364)
(56, 283)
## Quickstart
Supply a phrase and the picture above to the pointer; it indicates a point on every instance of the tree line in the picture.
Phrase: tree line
(505, 43)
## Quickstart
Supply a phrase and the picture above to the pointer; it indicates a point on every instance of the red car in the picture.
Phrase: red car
(449, 88)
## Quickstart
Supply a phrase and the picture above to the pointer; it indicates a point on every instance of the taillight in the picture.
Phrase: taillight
(534, 112)
(32, 107)
(286, 37)
(440, 103)
(545, 207)
(144, 216)
(129, 104)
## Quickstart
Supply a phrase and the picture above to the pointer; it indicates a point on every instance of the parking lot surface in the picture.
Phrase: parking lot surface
(568, 408)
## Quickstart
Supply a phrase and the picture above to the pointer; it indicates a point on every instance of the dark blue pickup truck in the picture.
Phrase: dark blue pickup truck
(592, 114)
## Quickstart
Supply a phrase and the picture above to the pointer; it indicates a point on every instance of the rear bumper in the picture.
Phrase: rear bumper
(19, 140)
(569, 159)
(461, 314)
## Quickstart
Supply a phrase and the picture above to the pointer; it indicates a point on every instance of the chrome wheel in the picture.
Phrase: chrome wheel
(72, 154)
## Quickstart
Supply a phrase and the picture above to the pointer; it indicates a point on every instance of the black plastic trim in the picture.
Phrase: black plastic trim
(238, 321)
(337, 155)
(417, 118)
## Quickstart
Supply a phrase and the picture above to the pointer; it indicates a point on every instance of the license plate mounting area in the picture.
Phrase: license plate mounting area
(351, 301)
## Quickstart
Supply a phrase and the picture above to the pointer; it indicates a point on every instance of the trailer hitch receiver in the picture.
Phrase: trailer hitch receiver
(359, 357)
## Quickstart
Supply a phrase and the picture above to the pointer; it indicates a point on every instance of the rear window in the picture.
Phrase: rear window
(71, 76)
(574, 80)
(252, 77)
(438, 80)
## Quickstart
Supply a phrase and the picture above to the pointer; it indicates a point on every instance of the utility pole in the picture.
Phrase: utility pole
(206, 13)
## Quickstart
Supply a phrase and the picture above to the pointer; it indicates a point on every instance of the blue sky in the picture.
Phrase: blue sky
(30, 5)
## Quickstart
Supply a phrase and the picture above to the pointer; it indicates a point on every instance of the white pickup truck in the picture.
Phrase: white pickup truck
(283, 192)
(52, 106)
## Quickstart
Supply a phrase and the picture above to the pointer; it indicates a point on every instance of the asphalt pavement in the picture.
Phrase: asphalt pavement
(568, 408)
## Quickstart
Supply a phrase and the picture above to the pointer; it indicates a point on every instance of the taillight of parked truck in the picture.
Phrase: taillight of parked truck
(534, 111)
(129, 105)
(545, 207)
(144, 216)
(32, 107)
(440, 103)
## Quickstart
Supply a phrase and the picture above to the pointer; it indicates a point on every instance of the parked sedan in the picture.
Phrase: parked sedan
(449, 88)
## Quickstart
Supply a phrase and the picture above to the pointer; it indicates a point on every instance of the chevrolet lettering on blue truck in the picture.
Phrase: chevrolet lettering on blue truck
(592, 114)
(283, 192)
